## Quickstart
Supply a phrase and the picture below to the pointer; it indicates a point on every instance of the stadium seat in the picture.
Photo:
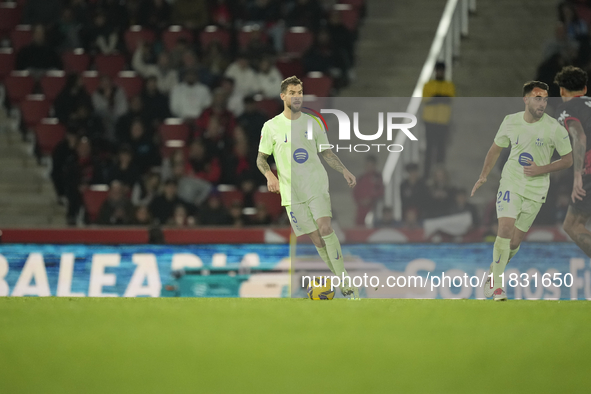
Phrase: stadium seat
(91, 81)
(21, 36)
(10, 15)
(317, 84)
(356, 4)
(213, 33)
(48, 133)
(94, 197)
(271, 107)
(130, 82)
(135, 34)
(110, 65)
(298, 40)
(76, 61)
(171, 36)
(349, 15)
(168, 147)
(287, 68)
(270, 200)
(52, 84)
(7, 59)
(34, 108)
(174, 129)
(229, 194)
(247, 34)
(18, 85)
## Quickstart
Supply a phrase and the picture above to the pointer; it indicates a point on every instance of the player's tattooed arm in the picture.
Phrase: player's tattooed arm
(579, 144)
(579, 148)
(334, 162)
(262, 163)
(272, 181)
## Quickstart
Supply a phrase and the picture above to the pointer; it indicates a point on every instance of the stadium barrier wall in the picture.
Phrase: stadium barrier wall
(260, 270)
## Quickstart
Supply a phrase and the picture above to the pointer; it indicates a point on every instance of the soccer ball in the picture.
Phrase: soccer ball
(320, 290)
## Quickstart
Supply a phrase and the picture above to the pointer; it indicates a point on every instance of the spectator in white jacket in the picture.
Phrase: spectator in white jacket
(110, 103)
(245, 79)
(166, 76)
(189, 98)
(269, 79)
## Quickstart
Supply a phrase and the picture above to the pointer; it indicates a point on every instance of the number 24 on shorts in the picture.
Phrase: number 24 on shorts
(506, 197)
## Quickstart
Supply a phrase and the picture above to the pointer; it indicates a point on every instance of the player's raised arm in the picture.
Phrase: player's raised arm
(334, 162)
(489, 162)
(263, 166)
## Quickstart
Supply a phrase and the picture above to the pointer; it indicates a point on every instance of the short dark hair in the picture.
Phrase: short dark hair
(293, 80)
(571, 78)
(440, 66)
(531, 85)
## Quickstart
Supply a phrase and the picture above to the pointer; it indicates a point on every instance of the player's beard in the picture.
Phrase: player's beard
(294, 110)
(534, 113)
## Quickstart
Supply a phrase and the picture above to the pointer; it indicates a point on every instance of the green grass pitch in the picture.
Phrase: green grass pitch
(57, 345)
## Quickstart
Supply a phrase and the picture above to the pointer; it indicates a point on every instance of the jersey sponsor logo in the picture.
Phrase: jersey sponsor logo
(300, 155)
(524, 158)
(540, 142)
(562, 117)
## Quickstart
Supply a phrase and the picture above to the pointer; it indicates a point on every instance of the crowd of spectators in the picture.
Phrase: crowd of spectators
(423, 199)
(113, 139)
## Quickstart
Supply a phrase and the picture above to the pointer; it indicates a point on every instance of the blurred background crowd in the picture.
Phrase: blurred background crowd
(151, 110)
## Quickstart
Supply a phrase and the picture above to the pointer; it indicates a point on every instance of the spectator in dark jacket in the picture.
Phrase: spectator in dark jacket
(155, 103)
(63, 153)
(146, 154)
(125, 170)
(70, 98)
(38, 56)
(369, 190)
(135, 112)
(117, 208)
(162, 207)
(214, 213)
(414, 192)
(252, 121)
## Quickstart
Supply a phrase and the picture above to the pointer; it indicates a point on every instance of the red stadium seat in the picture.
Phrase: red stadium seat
(10, 16)
(229, 194)
(135, 34)
(110, 65)
(170, 146)
(271, 107)
(18, 85)
(287, 68)
(7, 59)
(247, 34)
(356, 4)
(171, 36)
(91, 81)
(34, 108)
(349, 15)
(130, 82)
(317, 84)
(52, 83)
(76, 61)
(271, 201)
(94, 197)
(174, 129)
(298, 40)
(213, 33)
(48, 133)
(21, 36)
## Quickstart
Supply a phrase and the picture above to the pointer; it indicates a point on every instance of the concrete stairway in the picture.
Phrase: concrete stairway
(27, 198)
